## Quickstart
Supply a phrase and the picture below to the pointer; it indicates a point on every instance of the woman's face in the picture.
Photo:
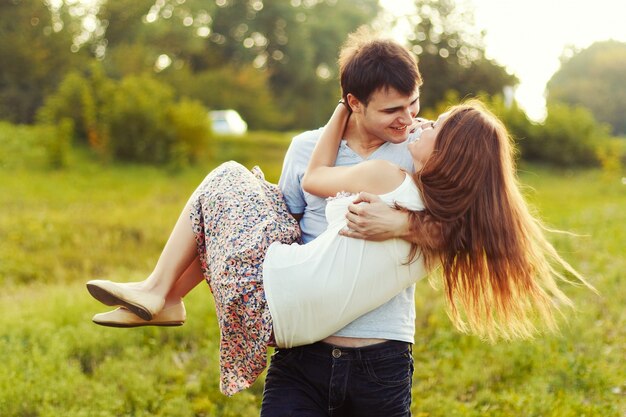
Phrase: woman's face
(423, 146)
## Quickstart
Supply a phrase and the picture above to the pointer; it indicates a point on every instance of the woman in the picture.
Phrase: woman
(496, 264)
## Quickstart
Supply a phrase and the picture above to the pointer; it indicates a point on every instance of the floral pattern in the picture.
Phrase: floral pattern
(235, 216)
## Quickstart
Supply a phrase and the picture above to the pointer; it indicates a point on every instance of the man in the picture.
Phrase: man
(366, 368)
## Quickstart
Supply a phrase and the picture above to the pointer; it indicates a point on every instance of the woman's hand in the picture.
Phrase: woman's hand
(415, 129)
(370, 218)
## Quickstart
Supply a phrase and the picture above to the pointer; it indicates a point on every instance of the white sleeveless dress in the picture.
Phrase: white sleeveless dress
(314, 290)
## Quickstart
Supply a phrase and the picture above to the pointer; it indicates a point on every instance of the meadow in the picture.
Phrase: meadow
(60, 228)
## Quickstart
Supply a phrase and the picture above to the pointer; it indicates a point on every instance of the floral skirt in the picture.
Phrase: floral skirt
(236, 215)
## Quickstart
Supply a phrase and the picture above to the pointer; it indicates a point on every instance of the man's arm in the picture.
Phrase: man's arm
(370, 218)
(294, 164)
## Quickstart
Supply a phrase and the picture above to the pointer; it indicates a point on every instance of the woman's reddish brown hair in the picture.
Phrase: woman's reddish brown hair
(499, 271)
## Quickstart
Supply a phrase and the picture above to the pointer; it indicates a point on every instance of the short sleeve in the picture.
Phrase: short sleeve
(294, 165)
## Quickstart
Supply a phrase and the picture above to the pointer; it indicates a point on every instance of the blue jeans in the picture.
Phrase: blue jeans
(324, 380)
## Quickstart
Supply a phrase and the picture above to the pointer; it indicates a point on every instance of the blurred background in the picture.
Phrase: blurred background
(112, 111)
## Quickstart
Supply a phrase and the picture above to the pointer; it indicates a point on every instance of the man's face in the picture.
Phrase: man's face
(388, 115)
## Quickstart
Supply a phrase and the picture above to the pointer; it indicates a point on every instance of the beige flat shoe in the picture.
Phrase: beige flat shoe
(174, 315)
(141, 303)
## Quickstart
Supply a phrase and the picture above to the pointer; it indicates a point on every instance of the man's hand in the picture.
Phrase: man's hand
(370, 218)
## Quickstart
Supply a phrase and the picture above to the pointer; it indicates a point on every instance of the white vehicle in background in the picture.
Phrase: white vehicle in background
(227, 122)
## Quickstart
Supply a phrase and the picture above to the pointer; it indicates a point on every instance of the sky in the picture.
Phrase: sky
(528, 37)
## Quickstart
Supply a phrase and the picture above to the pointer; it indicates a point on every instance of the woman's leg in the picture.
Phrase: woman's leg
(178, 262)
(185, 283)
(177, 272)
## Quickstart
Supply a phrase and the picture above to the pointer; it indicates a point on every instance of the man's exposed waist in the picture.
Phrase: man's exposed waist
(352, 341)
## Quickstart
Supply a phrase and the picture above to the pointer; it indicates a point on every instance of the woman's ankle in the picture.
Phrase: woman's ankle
(171, 301)
(153, 285)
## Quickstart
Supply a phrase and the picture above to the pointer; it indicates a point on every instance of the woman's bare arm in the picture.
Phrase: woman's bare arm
(324, 179)
(321, 177)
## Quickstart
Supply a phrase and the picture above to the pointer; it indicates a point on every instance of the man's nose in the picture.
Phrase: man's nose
(406, 117)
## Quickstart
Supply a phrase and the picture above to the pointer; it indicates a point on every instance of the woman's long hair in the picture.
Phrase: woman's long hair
(499, 272)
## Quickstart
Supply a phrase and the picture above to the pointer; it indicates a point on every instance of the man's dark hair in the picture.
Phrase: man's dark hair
(367, 64)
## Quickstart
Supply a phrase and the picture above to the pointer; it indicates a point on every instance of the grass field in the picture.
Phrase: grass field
(60, 228)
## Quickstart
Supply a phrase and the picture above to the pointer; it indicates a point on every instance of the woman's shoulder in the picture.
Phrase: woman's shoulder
(378, 176)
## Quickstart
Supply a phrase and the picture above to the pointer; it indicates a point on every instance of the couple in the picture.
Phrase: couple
(448, 199)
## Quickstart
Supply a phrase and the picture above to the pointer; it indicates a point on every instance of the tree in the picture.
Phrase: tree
(293, 44)
(35, 53)
(305, 78)
(451, 53)
(594, 78)
(242, 87)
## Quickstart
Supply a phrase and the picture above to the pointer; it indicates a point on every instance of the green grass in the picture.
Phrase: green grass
(61, 228)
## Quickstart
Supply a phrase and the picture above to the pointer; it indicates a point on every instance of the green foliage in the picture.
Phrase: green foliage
(145, 124)
(23, 146)
(451, 54)
(192, 131)
(231, 87)
(282, 54)
(262, 148)
(36, 147)
(270, 47)
(612, 156)
(305, 78)
(136, 119)
(82, 98)
(58, 148)
(594, 78)
(291, 76)
(35, 55)
(517, 123)
(570, 136)
(129, 59)
(67, 102)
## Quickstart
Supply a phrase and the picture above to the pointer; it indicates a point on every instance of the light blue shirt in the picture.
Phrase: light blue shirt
(394, 320)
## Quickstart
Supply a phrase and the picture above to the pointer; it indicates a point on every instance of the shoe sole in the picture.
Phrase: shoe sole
(129, 325)
(109, 299)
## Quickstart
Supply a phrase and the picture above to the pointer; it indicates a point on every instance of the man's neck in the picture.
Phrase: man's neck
(359, 140)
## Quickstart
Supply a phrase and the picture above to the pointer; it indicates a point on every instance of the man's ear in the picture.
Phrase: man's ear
(355, 105)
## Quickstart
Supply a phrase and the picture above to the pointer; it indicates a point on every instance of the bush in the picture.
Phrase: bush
(570, 136)
(59, 145)
(517, 123)
(192, 131)
(242, 88)
(81, 98)
(136, 118)
(513, 117)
